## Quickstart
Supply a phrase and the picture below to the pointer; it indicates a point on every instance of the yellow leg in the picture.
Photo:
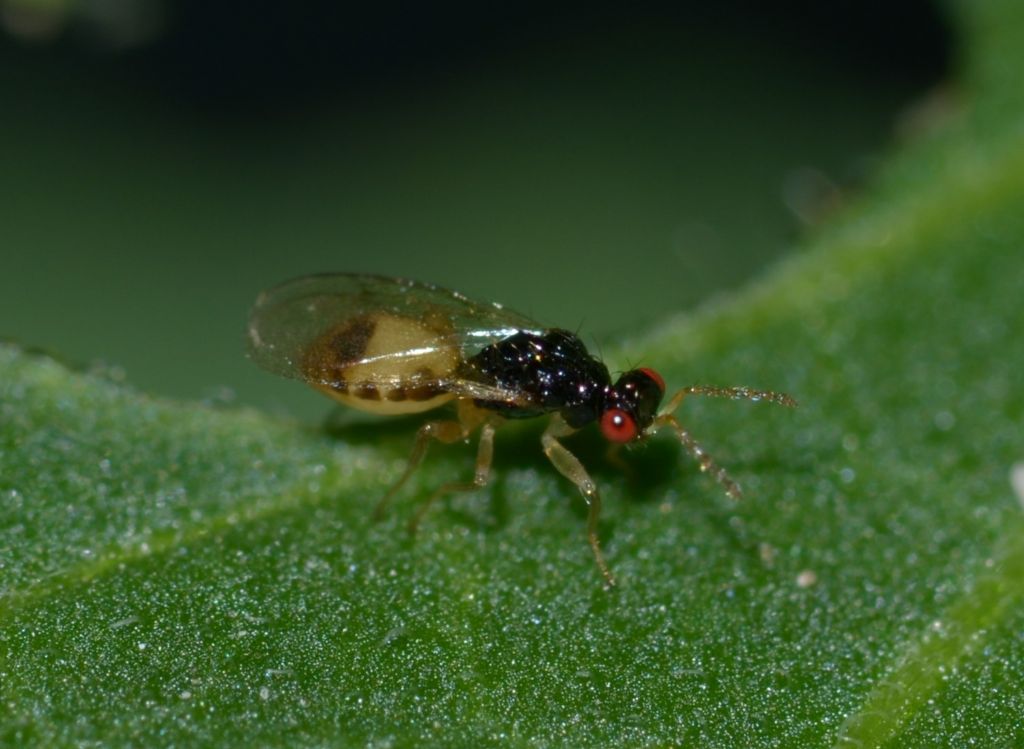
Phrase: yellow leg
(484, 456)
(569, 466)
(442, 431)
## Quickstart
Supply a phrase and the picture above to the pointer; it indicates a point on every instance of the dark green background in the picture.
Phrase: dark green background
(591, 166)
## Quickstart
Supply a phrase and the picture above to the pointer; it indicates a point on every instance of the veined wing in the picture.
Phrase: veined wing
(349, 331)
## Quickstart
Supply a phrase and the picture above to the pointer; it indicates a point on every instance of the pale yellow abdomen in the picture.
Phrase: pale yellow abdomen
(384, 363)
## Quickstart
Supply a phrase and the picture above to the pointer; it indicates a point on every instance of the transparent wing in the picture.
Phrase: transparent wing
(291, 320)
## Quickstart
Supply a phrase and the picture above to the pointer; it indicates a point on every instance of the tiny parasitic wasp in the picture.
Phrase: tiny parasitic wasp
(395, 346)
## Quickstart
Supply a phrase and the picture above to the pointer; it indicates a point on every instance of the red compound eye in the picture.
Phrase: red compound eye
(618, 426)
(654, 376)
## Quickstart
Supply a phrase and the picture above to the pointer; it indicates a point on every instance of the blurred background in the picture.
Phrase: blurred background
(593, 165)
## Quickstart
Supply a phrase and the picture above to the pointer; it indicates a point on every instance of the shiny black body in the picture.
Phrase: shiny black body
(553, 371)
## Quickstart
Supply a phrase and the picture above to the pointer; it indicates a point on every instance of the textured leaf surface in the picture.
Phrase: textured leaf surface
(176, 574)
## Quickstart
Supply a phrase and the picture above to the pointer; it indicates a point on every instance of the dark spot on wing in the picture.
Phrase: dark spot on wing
(330, 354)
(349, 344)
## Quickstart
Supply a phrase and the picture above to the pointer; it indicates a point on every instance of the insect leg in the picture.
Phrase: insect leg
(484, 455)
(442, 431)
(569, 466)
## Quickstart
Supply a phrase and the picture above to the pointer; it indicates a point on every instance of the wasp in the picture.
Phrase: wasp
(395, 346)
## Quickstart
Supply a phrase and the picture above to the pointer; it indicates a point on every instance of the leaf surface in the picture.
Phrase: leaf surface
(178, 574)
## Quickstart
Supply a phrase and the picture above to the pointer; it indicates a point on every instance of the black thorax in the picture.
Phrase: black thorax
(550, 372)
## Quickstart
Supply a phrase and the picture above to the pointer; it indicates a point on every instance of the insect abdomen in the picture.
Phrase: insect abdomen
(365, 363)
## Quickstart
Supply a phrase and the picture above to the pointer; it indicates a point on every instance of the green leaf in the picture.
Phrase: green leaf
(175, 574)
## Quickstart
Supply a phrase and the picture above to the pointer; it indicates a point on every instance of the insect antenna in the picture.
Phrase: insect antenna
(706, 462)
(735, 393)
